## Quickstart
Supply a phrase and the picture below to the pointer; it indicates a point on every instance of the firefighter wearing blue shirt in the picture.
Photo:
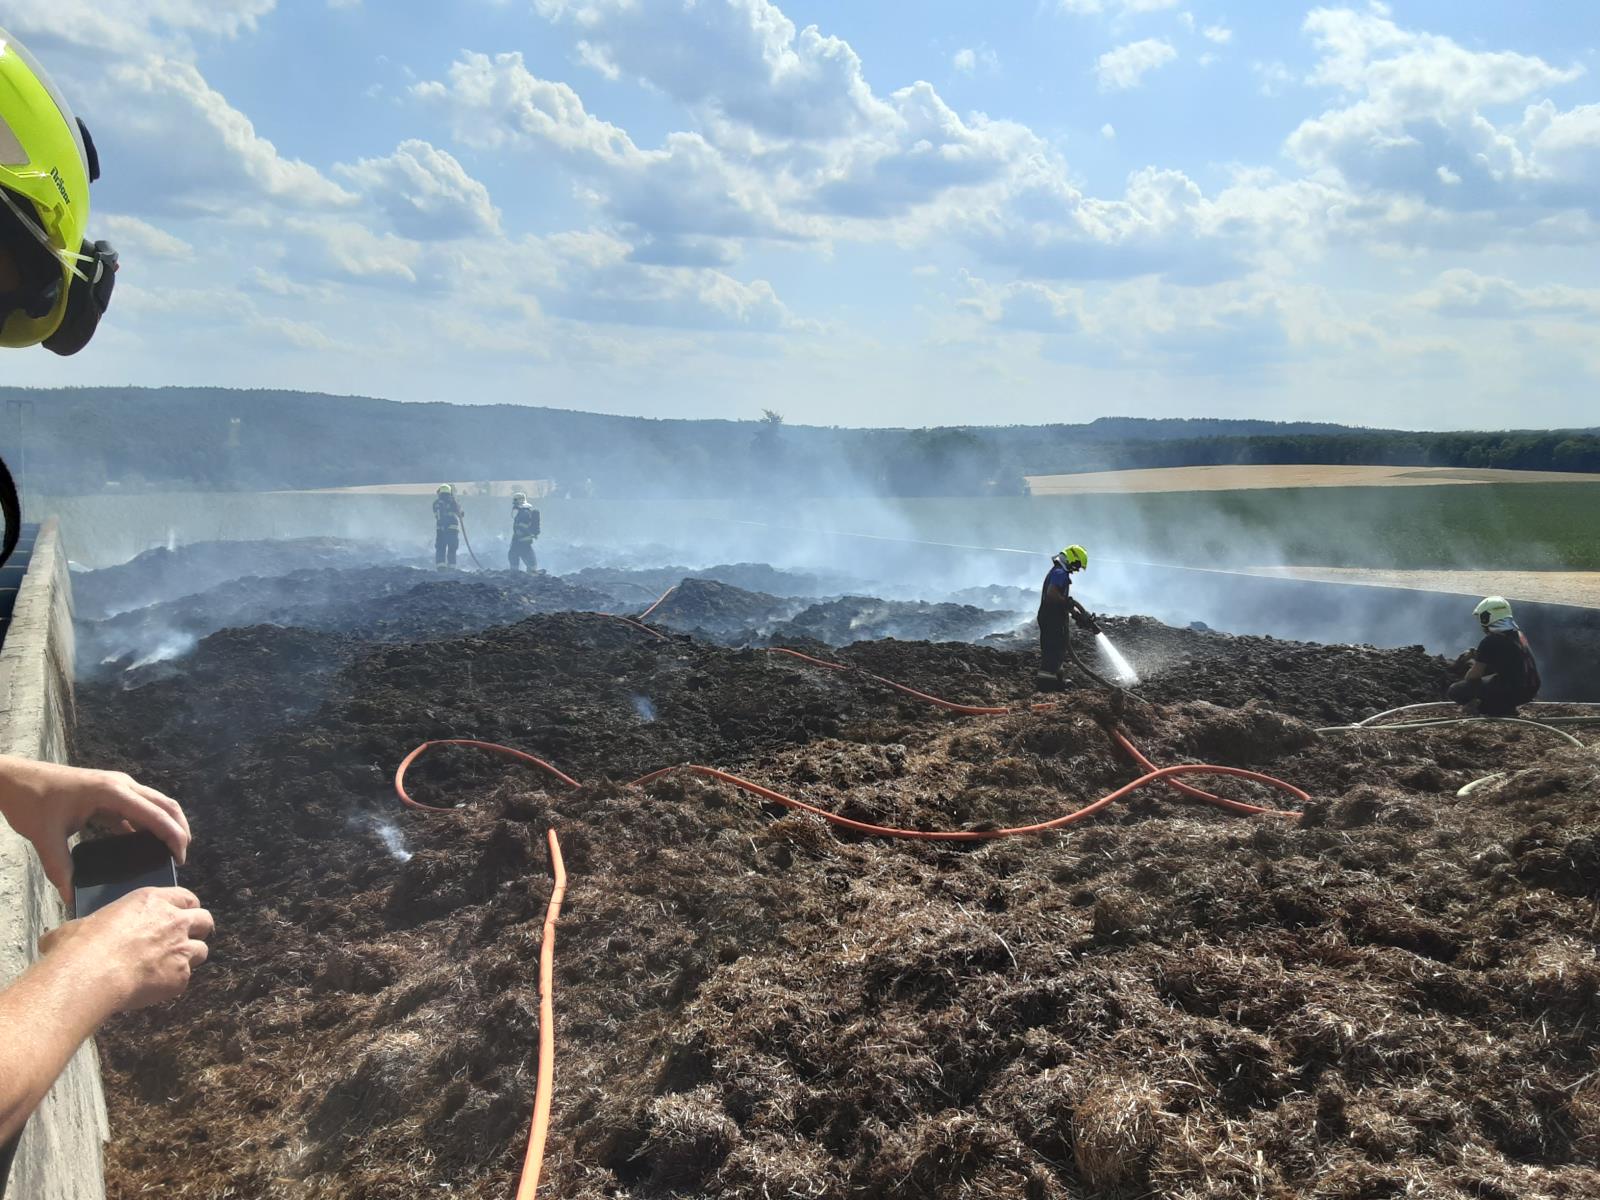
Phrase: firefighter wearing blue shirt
(1056, 605)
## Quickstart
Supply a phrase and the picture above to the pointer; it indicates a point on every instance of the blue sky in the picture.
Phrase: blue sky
(851, 212)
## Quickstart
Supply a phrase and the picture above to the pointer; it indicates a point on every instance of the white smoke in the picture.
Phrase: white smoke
(169, 645)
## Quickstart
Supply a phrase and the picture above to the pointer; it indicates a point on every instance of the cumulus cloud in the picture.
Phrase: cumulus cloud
(181, 147)
(1418, 117)
(915, 150)
(674, 297)
(112, 30)
(1126, 66)
(1273, 77)
(1464, 293)
(140, 238)
(1233, 329)
(1025, 306)
(741, 61)
(425, 192)
(969, 60)
(922, 150)
(520, 106)
(1221, 35)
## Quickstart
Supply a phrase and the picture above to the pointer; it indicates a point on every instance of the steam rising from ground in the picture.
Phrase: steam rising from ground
(984, 551)
(393, 840)
(642, 706)
(166, 646)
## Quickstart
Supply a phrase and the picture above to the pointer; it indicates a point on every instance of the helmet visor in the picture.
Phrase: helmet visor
(9, 45)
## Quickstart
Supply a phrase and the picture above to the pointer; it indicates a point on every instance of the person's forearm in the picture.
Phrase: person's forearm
(14, 783)
(44, 1017)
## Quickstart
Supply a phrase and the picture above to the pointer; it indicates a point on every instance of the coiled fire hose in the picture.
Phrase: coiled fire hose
(539, 1128)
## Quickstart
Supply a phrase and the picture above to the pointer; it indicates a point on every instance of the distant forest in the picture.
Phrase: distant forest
(90, 440)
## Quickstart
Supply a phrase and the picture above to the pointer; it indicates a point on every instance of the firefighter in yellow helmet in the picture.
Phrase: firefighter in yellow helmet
(54, 282)
(1503, 673)
(524, 529)
(1056, 605)
(447, 516)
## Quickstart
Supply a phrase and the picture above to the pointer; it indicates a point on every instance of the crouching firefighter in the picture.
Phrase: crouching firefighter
(1056, 605)
(1503, 674)
(524, 529)
(446, 527)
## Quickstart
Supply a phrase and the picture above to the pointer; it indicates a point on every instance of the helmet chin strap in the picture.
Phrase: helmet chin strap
(68, 258)
(11, 503)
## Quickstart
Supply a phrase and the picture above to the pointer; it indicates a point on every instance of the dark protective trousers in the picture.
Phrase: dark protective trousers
(522, 557)
(445, 544)
(1052, 642)
(1494, 698)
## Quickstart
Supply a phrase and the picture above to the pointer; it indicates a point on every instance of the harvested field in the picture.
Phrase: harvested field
(1250, 477)
(1580, 588)
(1395, 995)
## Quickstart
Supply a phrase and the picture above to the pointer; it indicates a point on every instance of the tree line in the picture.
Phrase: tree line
(94, 440)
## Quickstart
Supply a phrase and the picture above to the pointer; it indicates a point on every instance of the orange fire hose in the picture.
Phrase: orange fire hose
(539, 1129)
(659, 602)
(533, 1161)
(1153, 774)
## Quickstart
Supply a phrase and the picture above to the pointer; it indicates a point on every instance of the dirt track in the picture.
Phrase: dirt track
(1246, 477)
(1580, 588)
(1397, 995)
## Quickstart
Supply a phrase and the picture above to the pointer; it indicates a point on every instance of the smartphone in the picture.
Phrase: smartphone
(107, 869)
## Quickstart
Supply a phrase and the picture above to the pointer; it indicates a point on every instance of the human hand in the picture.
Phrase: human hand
(142, 948)
(48, 803)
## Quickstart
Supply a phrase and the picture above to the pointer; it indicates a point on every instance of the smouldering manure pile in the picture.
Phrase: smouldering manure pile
(1396, 994)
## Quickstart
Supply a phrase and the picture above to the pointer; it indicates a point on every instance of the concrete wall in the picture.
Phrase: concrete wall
(60, 1157)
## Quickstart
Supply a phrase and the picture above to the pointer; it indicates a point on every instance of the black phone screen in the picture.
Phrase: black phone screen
(107, 869)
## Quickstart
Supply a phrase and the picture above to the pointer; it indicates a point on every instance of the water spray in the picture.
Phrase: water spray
(1119, 665)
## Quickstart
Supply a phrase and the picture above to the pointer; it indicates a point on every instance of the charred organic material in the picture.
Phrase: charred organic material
(1395, 995)
(166, 574)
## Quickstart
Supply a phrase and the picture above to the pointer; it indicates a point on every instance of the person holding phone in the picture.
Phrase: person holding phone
(137, 951)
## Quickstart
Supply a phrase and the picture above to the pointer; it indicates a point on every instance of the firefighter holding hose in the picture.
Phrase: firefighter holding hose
(1056, 606)
(447, 517)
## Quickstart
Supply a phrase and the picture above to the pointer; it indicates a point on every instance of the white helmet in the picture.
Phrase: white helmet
(1492, 609)
(519, 497)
